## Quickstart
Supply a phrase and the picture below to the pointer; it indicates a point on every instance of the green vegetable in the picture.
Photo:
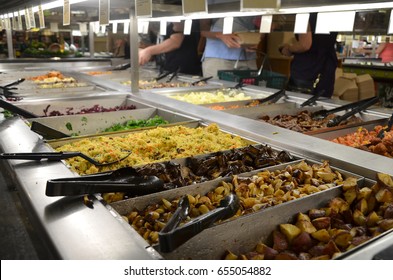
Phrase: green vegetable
(69, 126)
(132, 124)
(7, 114)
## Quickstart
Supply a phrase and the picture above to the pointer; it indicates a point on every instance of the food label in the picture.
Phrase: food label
(104, 8)
(20, 24)
(41, 17)
(143, 8)
(194, 6)
(255, 5)
(66, 12)
(31, 17)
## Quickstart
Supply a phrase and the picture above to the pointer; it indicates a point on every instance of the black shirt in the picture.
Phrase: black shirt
(186, 57)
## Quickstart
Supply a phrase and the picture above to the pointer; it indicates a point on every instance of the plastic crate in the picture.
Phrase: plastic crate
(250, 77)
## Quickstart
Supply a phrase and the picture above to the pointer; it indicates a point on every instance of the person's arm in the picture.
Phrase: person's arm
(301, 45)
(230, 40)
(172, 43)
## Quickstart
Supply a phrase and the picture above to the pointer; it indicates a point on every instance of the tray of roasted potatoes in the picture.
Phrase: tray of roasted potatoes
(297, 210)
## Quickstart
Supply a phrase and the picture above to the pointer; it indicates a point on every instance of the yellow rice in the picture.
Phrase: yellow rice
(152, 145)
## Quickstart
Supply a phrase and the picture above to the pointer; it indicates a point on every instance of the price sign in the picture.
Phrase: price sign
(228, 25)
(41, 16)
(143, 8)
(194, 7)
(104, 10)
(14, 23)
(66, 12)
(20, 23)
(255, 5)
(266, 24)
(27, 20)
(31, 17)
(54, 27)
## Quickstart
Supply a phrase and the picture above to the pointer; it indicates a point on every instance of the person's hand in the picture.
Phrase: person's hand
(144, 56)
(284, 50)
(230, 40)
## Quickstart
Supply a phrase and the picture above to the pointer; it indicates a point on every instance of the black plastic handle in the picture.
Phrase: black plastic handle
(272, 98)
(40, 155)
(381, 133)
(46, 131)
(324, 113)
(15, 109)
(201, 80)
(363, 106)
(169, 241)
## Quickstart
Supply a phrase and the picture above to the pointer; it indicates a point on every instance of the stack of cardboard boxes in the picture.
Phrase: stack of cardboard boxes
(353, 87)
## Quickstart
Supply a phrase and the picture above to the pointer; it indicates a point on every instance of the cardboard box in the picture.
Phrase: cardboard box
(339, 72)
(366, 86)
(346, 89)
(351, 76)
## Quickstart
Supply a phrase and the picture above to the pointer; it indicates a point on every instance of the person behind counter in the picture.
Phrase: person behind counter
(314, 60)
(180, 51)
(384, 51)
(223, 51)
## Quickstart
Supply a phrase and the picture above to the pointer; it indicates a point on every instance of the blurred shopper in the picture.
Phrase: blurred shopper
(314, 61)
(384, 51)
(180, 51)
(223, 51)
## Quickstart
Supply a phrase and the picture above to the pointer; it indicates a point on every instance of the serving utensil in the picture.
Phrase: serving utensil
(381, 133)
(46, 131)
(121, 180)
(321, 114)
(362, 106)
(172, 236)
(16, 110)
(201, 80)
(57, 156)
(271, 98)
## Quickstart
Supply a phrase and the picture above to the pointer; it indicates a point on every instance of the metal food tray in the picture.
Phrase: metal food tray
(96, 123)
(330, 135)
(191, 124)
(241, 235)
(257, 112)
(76, 104)
(225, 234)
(169, 92)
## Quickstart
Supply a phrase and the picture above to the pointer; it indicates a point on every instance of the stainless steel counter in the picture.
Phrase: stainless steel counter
(72, 230)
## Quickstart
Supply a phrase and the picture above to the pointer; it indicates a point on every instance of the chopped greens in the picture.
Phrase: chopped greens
(132, 124)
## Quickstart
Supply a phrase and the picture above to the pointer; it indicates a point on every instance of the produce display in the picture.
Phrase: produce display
(205, 97)
(151, 145)
(206, 168)
(368, 141)
(321, 234)
(265, 189)
(132, 124)
(303, 121)
(94, 109)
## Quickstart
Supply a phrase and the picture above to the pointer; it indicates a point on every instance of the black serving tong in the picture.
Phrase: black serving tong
(381, 133)
(201, 80)
(46, 131)
(9, 86)
(172, 236)
(15, 109)
(324, 113)
(362, 106)
(57, 156)
(315, 94)
(174, 74)
(122, 67)
(124, 179)
(271, 98)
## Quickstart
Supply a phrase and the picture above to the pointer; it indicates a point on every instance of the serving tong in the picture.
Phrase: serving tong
(358, 108)
(172, 236)
(324, 113)
(381, 133)
(124, 180)
(46, 131)
(16, 110)
(201, 80)
(57, 156)
(6, 90)
(271, 98)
